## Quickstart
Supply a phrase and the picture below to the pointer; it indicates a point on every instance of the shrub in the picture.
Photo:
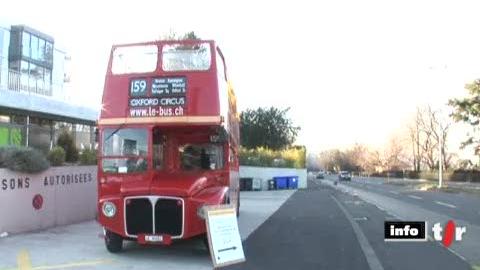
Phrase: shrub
(88, 157)
(65, 140)
(56, 156)
(433, 175)
(23, 159)
(263, 157)
(5, 153)
(465, 176)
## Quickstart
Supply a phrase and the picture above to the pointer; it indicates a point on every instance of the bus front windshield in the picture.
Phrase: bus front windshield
(206, 156)
(124, 150)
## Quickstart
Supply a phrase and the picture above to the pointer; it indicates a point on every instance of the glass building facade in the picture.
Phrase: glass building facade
(33, 107)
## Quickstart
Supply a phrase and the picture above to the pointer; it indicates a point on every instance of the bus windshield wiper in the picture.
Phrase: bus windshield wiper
(114, 132)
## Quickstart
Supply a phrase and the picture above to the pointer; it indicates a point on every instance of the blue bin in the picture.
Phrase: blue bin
(281, 182)
(293, 182)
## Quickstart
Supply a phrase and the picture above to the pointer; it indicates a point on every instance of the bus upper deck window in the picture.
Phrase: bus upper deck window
(181, 57)
(134, 59)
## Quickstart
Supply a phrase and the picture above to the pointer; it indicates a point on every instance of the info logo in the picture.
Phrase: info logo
(405, 231)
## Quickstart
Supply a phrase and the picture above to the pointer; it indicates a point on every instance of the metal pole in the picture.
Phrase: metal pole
(440, 160)
(28, 129)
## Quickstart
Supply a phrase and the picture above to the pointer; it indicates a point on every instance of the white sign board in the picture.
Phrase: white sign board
(223, 236)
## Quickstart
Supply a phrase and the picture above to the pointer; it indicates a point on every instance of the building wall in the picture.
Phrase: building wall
(45, 106)
(4, 43)
(267, 173)
(58, 196)
(58, 74)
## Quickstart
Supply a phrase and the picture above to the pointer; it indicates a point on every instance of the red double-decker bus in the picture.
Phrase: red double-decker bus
(168, 141)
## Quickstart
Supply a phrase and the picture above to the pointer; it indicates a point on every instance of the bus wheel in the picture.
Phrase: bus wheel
(205, 242)
(113, 242)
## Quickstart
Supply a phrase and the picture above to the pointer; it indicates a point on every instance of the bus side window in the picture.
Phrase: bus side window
(158, 149)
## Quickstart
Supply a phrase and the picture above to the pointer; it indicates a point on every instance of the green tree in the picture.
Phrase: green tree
(190, 35)
(172, 35)
(270, 128)
(467, 110)
(65, 140)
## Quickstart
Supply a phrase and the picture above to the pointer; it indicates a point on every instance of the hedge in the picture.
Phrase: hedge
(56, 156)
(263, 157)
(455, 176)
(23, 159)
(88, 157)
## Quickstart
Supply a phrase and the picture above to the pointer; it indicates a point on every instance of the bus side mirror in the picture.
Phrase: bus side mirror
(96, 135)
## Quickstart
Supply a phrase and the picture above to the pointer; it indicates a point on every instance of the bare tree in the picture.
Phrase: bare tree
(394, 156)
(358, 156)
(313, 162)
(414, 131)
(432, 131)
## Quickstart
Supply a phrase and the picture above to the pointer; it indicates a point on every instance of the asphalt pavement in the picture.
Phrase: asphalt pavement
(324, 228)
(405, 202)
(458, 205)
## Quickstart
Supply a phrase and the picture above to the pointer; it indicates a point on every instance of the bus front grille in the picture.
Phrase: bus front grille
(154, 215)
(168, 217)
(139, 218)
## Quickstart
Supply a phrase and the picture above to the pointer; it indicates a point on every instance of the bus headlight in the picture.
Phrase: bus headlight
(109, 209)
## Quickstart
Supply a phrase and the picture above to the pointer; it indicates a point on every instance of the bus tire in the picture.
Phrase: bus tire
(113, 242)
(205, 242)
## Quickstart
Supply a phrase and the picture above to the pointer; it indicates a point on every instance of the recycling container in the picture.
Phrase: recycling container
(246, 184)
(292, 182)
(257, 184)
(271, 184)
(281, 182)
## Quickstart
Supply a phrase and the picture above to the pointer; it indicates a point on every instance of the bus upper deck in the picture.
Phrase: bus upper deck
(167, 82)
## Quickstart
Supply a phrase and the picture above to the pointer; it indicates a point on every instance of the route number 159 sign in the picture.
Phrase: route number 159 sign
(223, 236)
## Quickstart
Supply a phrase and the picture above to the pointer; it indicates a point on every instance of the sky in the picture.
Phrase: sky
(351, 71)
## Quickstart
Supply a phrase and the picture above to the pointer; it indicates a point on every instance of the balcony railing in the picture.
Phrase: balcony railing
(25, 83)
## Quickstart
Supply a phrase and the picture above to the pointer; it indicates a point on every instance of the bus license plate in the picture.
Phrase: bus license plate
(153, 238)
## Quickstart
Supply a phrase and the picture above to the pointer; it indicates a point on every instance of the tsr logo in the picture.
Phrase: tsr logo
(450, 230)
(416, 231)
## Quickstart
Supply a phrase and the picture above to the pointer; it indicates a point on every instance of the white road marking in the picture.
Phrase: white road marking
(372, 259)
(415, 197)
(445, 204)
(394, 192)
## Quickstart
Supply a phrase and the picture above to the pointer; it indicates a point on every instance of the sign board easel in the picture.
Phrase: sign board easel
(224, 238)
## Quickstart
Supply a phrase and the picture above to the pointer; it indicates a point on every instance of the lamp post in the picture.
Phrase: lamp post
(440, 138)
(440, 159)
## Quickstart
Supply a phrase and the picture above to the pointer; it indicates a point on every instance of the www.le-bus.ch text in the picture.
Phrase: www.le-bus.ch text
(157, 111)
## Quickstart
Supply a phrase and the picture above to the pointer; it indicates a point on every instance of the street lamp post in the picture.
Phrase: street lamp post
(440, 159)
(440, 141)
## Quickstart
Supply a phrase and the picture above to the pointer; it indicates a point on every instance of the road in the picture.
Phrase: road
(326, 226)
(461, 206)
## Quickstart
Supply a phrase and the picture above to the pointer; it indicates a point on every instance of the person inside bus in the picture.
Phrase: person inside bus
(204, 160)
(189, 158)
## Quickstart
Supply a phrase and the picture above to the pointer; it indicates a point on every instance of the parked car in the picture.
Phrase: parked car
(320, 175)
(344, 176)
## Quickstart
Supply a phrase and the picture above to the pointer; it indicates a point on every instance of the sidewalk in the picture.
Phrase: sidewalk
(79, 246)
